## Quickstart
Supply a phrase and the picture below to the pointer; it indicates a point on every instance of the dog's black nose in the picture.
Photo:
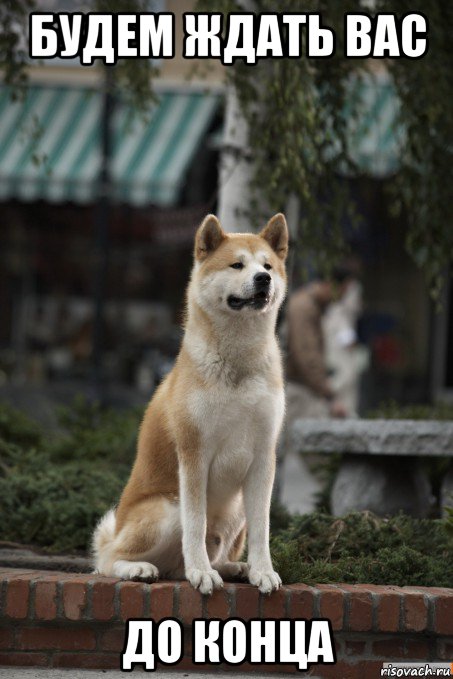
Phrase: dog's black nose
(262, 279)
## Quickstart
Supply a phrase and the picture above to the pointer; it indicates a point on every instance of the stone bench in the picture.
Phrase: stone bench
(380, 470)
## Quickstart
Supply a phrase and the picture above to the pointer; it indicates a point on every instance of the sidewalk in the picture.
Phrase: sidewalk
(32, 673)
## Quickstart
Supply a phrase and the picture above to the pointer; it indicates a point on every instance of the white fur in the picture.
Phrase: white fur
(135, 570)
(103, 537)
(166, 553)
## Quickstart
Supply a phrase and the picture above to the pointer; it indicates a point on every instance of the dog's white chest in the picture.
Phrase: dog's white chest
(224, 413)
(235, 424)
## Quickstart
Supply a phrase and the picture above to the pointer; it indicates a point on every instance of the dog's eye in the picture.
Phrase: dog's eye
(268, 267)
(237, 265)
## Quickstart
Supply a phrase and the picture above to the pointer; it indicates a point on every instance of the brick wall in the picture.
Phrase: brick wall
(68, 620)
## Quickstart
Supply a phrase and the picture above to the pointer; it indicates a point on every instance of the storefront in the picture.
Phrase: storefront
(162, 178)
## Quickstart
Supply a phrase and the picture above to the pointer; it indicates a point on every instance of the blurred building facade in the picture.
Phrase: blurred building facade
(164, 178)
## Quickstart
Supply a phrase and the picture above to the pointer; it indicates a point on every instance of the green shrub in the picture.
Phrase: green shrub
(391, 410)
(361, 547)
(16, 427)
(90, 432)
(280, 517)
(53, 490)
(54, 506)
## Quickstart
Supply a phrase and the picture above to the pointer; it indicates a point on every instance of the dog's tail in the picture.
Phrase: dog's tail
(102, 542)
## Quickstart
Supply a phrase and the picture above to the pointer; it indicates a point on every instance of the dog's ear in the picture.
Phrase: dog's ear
(276, 234)
(208, 238)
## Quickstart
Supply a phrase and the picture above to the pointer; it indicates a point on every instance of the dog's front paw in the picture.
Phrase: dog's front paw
(267, 581)
(204, 580)
(236, 570)
(135, 570)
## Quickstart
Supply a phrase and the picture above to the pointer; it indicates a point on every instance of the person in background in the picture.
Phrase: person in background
(310, 393)
(346, 358)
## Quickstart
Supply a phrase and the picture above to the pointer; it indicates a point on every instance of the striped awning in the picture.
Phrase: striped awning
(50, 145)
(375, 136)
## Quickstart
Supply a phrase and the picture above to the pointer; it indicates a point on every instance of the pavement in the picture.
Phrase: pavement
(71, 673)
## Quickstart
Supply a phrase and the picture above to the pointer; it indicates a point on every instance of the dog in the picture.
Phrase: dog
(205, 461)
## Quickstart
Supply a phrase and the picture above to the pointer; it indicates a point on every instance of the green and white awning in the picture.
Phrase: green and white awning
(375, 136)
(50, 141)
(50, 145)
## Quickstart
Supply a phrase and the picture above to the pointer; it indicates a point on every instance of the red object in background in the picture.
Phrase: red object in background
(388, 351)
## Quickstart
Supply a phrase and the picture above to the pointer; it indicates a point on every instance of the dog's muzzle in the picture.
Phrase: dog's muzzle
(260, 298)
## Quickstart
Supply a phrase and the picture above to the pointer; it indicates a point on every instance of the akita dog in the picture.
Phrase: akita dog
(205, 462)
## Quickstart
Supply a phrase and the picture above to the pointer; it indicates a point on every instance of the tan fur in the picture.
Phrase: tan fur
(206, 448)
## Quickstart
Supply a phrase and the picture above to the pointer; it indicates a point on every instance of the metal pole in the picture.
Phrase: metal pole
(101, 228)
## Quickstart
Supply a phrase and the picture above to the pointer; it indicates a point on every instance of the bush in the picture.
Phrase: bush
(54, 489)
(18, 428)
(92, 433)
(391, 410)
(361, 547)
(54, 506)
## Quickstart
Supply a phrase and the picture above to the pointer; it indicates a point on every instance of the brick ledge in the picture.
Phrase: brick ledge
(55, 619)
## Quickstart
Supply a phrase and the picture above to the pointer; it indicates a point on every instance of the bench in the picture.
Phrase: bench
(381, 468)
